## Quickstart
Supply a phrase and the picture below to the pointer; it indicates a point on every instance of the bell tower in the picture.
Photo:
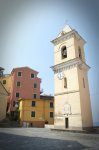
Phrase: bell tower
(72, 98)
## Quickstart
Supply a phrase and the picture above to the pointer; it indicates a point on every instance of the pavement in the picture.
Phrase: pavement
(46, 139)
(90, 131)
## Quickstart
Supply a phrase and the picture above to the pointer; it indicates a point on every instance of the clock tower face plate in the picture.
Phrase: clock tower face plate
(60, 75)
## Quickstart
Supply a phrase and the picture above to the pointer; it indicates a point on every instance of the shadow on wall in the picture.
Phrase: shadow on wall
(17, 142)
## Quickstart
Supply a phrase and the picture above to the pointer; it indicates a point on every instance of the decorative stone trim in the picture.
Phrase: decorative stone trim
(63, 116)
(70, 64)
(67, 36)
(74, 91)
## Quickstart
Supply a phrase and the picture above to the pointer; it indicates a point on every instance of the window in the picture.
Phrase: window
(34, 96)
(17, 94)
(18, 83)
(64, 52)
(35, 85)
(33, 114)
(32, 75)
(33, 103)
(19, 74)
(83, 83)
(4, 81)
(65, 82)
(79, 52)
(51, 115)
(13, 103)
(51, 105)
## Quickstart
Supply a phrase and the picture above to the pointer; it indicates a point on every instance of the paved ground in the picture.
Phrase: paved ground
(38, 139)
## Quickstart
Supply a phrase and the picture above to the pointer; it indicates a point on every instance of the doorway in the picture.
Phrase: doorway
(66, 123)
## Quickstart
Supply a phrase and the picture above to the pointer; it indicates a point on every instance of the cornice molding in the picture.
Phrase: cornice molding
(60, 116)
(69, 65)
(68, 92)
(67, 36)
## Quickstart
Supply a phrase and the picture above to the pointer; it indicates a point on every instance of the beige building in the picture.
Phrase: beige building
(3, 102)
(72, 98)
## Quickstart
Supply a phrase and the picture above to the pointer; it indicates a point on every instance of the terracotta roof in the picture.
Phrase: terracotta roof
(24, 68)
(46, 97)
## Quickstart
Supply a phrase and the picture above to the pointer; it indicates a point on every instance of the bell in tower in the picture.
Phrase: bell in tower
(64, 52)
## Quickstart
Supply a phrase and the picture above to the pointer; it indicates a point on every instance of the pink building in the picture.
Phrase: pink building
(24, 84)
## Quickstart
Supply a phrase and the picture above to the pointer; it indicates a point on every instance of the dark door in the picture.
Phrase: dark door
(66, 123)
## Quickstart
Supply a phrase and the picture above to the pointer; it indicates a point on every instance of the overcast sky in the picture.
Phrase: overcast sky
(28, 26)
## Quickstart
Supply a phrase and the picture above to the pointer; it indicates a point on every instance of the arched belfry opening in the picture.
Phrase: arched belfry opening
(64, 52)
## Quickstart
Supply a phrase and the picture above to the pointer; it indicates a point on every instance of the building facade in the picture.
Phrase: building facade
(21, 83)
(37, 112)
(3, 101)
(72, 98)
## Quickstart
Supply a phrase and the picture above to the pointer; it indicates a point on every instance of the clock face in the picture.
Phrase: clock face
(60, 75)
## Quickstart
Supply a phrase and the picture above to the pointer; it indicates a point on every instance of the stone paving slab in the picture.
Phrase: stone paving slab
(39, 138)
(92, 131)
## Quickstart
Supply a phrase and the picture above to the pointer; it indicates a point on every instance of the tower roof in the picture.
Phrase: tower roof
(65, 30)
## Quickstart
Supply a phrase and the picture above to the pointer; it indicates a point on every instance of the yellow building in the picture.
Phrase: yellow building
(3, 102)
(37, 112)
(72, 98)
(6, 80)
